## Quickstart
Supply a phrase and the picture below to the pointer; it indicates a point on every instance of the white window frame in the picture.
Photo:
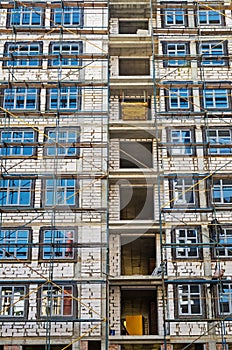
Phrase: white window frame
(188, 298)
(29, 51)
(221, 187)
(181, 95)
(179, 142)
(12, 301)
(14, 243)
(17, 136)
(186, 237)
(26, 12)
(65, 94)
(224, 247)
(208, 15)
(214, 50)
(57, 137)
(181, 192)
(63, 193)
(227, 296)
(59, 50)
(67, 13)
(214, 95)
(175, 52)
(53, 300)
(220, 140)
(58, 243)
(174, 13)
(22, 95)
(9, 190)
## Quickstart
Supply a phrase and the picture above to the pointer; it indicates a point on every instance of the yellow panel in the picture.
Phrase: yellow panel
(134, 111)
(134, 325)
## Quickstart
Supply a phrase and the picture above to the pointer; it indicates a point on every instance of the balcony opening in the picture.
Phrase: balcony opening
(94, 345)
(138, 255)
(135, 108)
(134, 66)
(44, 347)
(136, 203)
(135, 154)
(199, 346)
(139, 312)
(132, 27)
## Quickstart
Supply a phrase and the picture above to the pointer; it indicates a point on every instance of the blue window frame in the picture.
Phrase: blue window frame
(57, 301)
(58, 243)
(26, 16)
(225, 298)
(211, 53)
(174, 17)
(63, 51)
(179, 98)
(174, 50)
(61, 192)
(17, 136)
(14, 243)
(224, 246)
(181, 139)
(66, 16)
(12, 301)
(209, 17)
(23, 54)
(220, 137)
(61, 141)
(21, 98)
(222, 191)
(15, 192)
(65, 98)
(216, 98)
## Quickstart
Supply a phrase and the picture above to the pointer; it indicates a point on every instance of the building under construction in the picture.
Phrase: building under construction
(116, 185)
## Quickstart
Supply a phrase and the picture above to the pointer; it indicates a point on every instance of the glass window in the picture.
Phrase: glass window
(222, 191)
(57, 301)
(208, 17)
(174, 50)
(26, 16)
(211, 54)
(181, 140)
(12, 301)
(20, 137)
(14, 243)
(23, 54)
(186, 238)
(58, 244)
(67, 16)
(61, 192)
(183, 191)
(219, 137)
(189, 299)
(225, 298)
(15, 192)
(179, 98)
(63, 51)
(61, 142)
(20, 98)
(224, 246)
(216, 98)
(65, 98)
(174, 17)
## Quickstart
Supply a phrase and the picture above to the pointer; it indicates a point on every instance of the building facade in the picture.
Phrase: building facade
(116, 185)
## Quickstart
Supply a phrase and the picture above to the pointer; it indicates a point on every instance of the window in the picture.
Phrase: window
(179, 98)
(224, 246)
(174, 17)
(20, 137)
(65, 98)
(26, 16)
(187, 238)
(14, 243)
(20, 98)
(62, 141)
(173, 50)
(220, 138)
(225, 298)
(61, 192)
(189, 300)
(183, 192)
(66, 16)
(16, 192)
(65, 54)
(222, 191)
(12, 301)
(216, 98)
(181, 140)
(57, 243)
(57, 301)
(209, 17)
(23, 54)
(211, 54)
